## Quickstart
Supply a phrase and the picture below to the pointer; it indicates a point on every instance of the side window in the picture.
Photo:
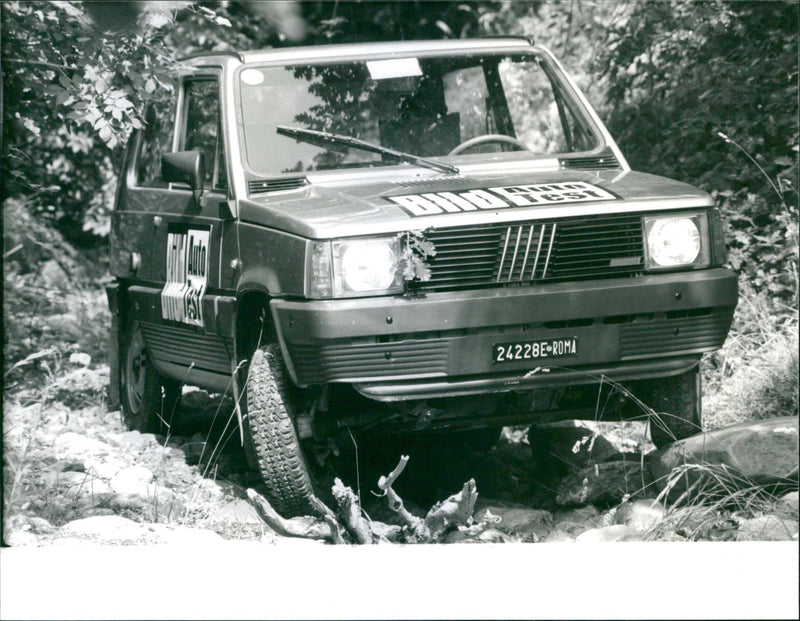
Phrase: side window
(156, 139)
(202, 129)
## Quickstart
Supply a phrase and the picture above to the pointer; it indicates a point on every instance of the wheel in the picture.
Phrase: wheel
(150, 403)
(677, 403)
(488, 138)
(270, 436)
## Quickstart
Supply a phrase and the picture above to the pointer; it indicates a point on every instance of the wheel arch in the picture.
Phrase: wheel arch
(253, 322)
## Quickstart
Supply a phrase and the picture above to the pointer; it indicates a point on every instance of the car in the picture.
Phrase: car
(410, 237)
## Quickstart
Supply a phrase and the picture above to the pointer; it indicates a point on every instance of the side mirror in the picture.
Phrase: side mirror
(184, 167)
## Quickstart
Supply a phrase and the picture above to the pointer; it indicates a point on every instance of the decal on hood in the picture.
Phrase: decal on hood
(435, 203)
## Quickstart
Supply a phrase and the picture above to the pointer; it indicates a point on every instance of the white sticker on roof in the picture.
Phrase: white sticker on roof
(394, 68)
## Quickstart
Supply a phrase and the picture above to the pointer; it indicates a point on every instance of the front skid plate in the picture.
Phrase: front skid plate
(537, 378)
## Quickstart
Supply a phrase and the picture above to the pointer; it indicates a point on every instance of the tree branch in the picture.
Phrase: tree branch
(37, 63)
(305, 527)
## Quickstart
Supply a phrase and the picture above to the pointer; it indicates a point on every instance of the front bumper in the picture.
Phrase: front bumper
(441, 343)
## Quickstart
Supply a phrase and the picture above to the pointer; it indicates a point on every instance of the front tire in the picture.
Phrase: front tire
(271, 439)
(677, 402)
(149, 401)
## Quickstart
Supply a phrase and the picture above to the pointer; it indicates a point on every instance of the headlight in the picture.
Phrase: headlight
(677, 241)
(352, 267)
(366, 266)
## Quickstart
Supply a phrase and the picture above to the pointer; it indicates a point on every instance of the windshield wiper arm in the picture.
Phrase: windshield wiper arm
(317, 137)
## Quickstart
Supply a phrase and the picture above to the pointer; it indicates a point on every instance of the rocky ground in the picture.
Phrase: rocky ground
(74, 473)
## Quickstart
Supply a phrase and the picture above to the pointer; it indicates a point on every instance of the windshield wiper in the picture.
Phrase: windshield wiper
(323, 138)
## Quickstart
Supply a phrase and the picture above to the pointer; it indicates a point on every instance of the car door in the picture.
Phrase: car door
(181, 238)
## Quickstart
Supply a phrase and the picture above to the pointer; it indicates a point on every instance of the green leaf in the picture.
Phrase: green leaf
(105, 133)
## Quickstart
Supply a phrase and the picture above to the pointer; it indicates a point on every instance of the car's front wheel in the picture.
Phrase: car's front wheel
(271, 440)
(150, 402)
(677, 403)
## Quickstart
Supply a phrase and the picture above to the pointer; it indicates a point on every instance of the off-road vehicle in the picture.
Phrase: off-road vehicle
(399, 237)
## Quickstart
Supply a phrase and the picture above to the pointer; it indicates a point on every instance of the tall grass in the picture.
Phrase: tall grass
(755, 374)
(708, 501)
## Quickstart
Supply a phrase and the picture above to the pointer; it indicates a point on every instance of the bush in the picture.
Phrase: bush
(53, 296)
(755, 374)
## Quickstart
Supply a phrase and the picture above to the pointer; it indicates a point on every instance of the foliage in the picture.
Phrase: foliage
(346, 22)
(755, 374)
(704, 92)
(416, 250)
(72, 97)
(681, 72)
(51, 299)
(712, 501)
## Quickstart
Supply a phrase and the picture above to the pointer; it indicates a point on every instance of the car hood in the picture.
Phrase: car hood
(379, 203)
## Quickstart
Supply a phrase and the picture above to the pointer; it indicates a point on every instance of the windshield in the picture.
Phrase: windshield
(429, 107)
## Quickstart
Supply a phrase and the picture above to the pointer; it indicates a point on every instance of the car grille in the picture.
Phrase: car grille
(521, 253)
(318, 363)
(694, 331)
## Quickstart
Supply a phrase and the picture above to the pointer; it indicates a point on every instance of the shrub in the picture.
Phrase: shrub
(755, 374)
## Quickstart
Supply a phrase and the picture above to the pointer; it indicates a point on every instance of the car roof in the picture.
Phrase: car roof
(349, 50)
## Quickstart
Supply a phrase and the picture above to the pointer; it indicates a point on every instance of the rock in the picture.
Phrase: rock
(492, 535)
(80, 359)
(19, 538)
(173, 453)
(66, 325)
(558, 536)
(184, 536)
(105, 468)
(52, 275)
(74, 446)
(161, 506)
(630, 436)
(787, 505)
(608, 534)
(476, 535)
(669, 535)
(577, 520)
(239, 512)
(135, 440)
(78, 483)
(761, 452)
(132, 480)
(40, 526)
(572, 447)
(386, 532)
(211, 487)
(640, 514)
(767, 528)
(195, 400)
(95, 511)
(81, 387)
(25, 530)
(105, 528)
(523, 521)
(605, 484)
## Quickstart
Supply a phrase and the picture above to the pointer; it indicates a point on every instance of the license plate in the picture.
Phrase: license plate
(560, 347)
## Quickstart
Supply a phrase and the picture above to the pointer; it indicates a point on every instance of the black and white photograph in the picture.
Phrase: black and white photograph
(400, 310)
